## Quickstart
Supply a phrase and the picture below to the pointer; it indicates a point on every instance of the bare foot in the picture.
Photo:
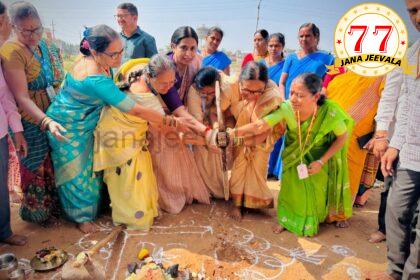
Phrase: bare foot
(235, 213)
(376, 275)
(15, 240)
(278, 229)
(88, 227)
(377, 237)
(342, 224)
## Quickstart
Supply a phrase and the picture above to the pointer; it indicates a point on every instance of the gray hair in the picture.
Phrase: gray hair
(22, 10)
(254, 71)
(158, 64)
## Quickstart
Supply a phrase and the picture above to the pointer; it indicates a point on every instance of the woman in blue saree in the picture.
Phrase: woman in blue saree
(213, 57)
(275, 59)
(307, 60)
(275, 63)
(87, 88)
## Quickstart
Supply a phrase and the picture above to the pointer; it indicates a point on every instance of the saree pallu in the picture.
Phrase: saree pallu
(121, 152)
(218, 60)
(312, 63)
(274, 163)
(359, 97)
(304, 204)
(248, 186)
(40, 201)
(209, 162)
(274, 71)
(78, 187)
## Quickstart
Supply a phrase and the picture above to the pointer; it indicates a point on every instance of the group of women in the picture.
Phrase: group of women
(151, 132)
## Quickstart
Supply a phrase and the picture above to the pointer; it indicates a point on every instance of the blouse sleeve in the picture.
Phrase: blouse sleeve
(11, 58)
(105, 89)
(340, 128)
(194, 104)
(247, 59)
(283, 113)
(287, 63)
(274, 118)
(172, 99)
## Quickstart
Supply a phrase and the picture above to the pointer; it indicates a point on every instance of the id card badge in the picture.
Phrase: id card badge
(302, 170)
(51, 92)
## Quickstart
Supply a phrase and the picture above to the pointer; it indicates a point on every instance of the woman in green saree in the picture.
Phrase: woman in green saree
(316, 144)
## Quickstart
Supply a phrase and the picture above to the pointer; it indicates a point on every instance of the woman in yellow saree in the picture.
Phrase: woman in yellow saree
(178, 180)
(257, 96)
(121, 147)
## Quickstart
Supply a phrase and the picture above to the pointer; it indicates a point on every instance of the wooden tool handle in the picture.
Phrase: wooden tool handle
(104, 241)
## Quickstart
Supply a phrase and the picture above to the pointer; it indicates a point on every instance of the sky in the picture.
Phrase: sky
(237, 18)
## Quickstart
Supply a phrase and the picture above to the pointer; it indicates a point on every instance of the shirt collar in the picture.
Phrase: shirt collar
(136, 32)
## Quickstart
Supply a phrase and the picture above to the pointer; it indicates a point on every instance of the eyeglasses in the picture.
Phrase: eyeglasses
(114, 55)
(122, 16)
(252, 92)
(28, 32)
(163, 84)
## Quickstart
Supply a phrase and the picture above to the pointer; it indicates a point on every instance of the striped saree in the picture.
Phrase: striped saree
(40, 200)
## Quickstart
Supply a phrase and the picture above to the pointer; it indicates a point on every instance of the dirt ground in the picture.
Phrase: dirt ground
(203, 239)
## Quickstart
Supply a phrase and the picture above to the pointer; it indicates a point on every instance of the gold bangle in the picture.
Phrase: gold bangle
(238, 141)
(44, 123)
(235, 132)
(42, 120)
(47, 125)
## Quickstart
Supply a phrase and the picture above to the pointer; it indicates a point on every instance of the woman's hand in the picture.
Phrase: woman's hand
(314, 167)
(56, 129)
(211, 136)
(20, 144)
(184, 124)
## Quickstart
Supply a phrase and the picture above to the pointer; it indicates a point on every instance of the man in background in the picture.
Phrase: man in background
(137, 43)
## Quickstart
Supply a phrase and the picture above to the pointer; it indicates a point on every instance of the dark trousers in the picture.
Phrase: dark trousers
(5, 230)
(403, 259)
(382, 206)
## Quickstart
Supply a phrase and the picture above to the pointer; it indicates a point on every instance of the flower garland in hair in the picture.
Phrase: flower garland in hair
(86, 33)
